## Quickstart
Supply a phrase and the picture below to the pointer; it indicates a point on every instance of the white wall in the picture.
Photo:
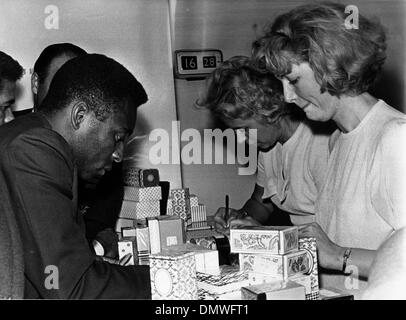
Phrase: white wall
(134, 32)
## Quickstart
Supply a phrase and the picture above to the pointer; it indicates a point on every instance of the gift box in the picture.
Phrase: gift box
(169, 209)
(194, 200)
(142, 238)
(198, 213)
(277, 266)
(165, 231)
(207, 261)
(141, 178)
(264, 239)
(142, 194)
(139, 210)
(309, 244)
(277, 290)
(181, 204)
(173, 276)
(124, 223)
(229, 280)
(125, 247)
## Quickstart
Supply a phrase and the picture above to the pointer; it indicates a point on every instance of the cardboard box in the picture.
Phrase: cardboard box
(165, 231)
(277, 266)
(277, 290)
(207, 261)
(137, 177)
(139, 210)
(264, 239)
(173, 276)
(142, 194)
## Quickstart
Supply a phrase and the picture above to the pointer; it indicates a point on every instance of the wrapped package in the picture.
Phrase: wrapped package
(181, 204)
(136, 177)
(264, 239)
(165, 231)
(277, 266)
(207, 261)
(139, 210)
(142, 194)
(173, 276)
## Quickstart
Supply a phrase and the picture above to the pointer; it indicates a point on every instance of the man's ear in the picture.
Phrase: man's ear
(34, 83)
(78, 113)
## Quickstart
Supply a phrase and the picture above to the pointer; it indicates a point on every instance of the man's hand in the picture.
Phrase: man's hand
(330, 255)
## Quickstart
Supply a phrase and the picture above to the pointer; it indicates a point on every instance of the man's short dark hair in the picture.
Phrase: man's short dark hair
(10, 69)
(99, 81)
(41, 66)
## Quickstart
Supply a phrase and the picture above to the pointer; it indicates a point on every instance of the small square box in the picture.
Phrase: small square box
(173, 276)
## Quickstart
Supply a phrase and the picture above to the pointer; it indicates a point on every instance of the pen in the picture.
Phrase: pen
(226, 215)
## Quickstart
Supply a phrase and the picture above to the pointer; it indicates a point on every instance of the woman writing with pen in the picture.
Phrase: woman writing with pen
(292, 157)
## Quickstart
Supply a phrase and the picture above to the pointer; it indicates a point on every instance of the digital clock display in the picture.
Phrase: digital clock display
(189, 62)
(209, 62)
(196, 63)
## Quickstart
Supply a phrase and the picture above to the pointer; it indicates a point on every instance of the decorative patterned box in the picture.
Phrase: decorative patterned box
(277, 290)
(277, 266)
(198, 213)
(181, 204)
(207, 261)
(142, 194)
(309, 244)
(230, 279)
(173, 276)
(165, 231)
(139, 210)
(125, 247)
(136, 177)
(169, 209)
(309, 280)
(264, 239)
(194, 200)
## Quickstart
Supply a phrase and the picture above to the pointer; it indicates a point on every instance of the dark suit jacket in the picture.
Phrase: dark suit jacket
(38, 179)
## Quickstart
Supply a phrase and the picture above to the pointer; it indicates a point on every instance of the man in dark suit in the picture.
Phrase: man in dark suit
(89, 111)
(11, 265)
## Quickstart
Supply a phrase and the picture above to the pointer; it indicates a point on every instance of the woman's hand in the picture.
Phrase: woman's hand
(236, 218)
(330, 255)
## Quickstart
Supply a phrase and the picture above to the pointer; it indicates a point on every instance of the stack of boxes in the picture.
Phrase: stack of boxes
(142, 195)
(276, 254)
(187, 206)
